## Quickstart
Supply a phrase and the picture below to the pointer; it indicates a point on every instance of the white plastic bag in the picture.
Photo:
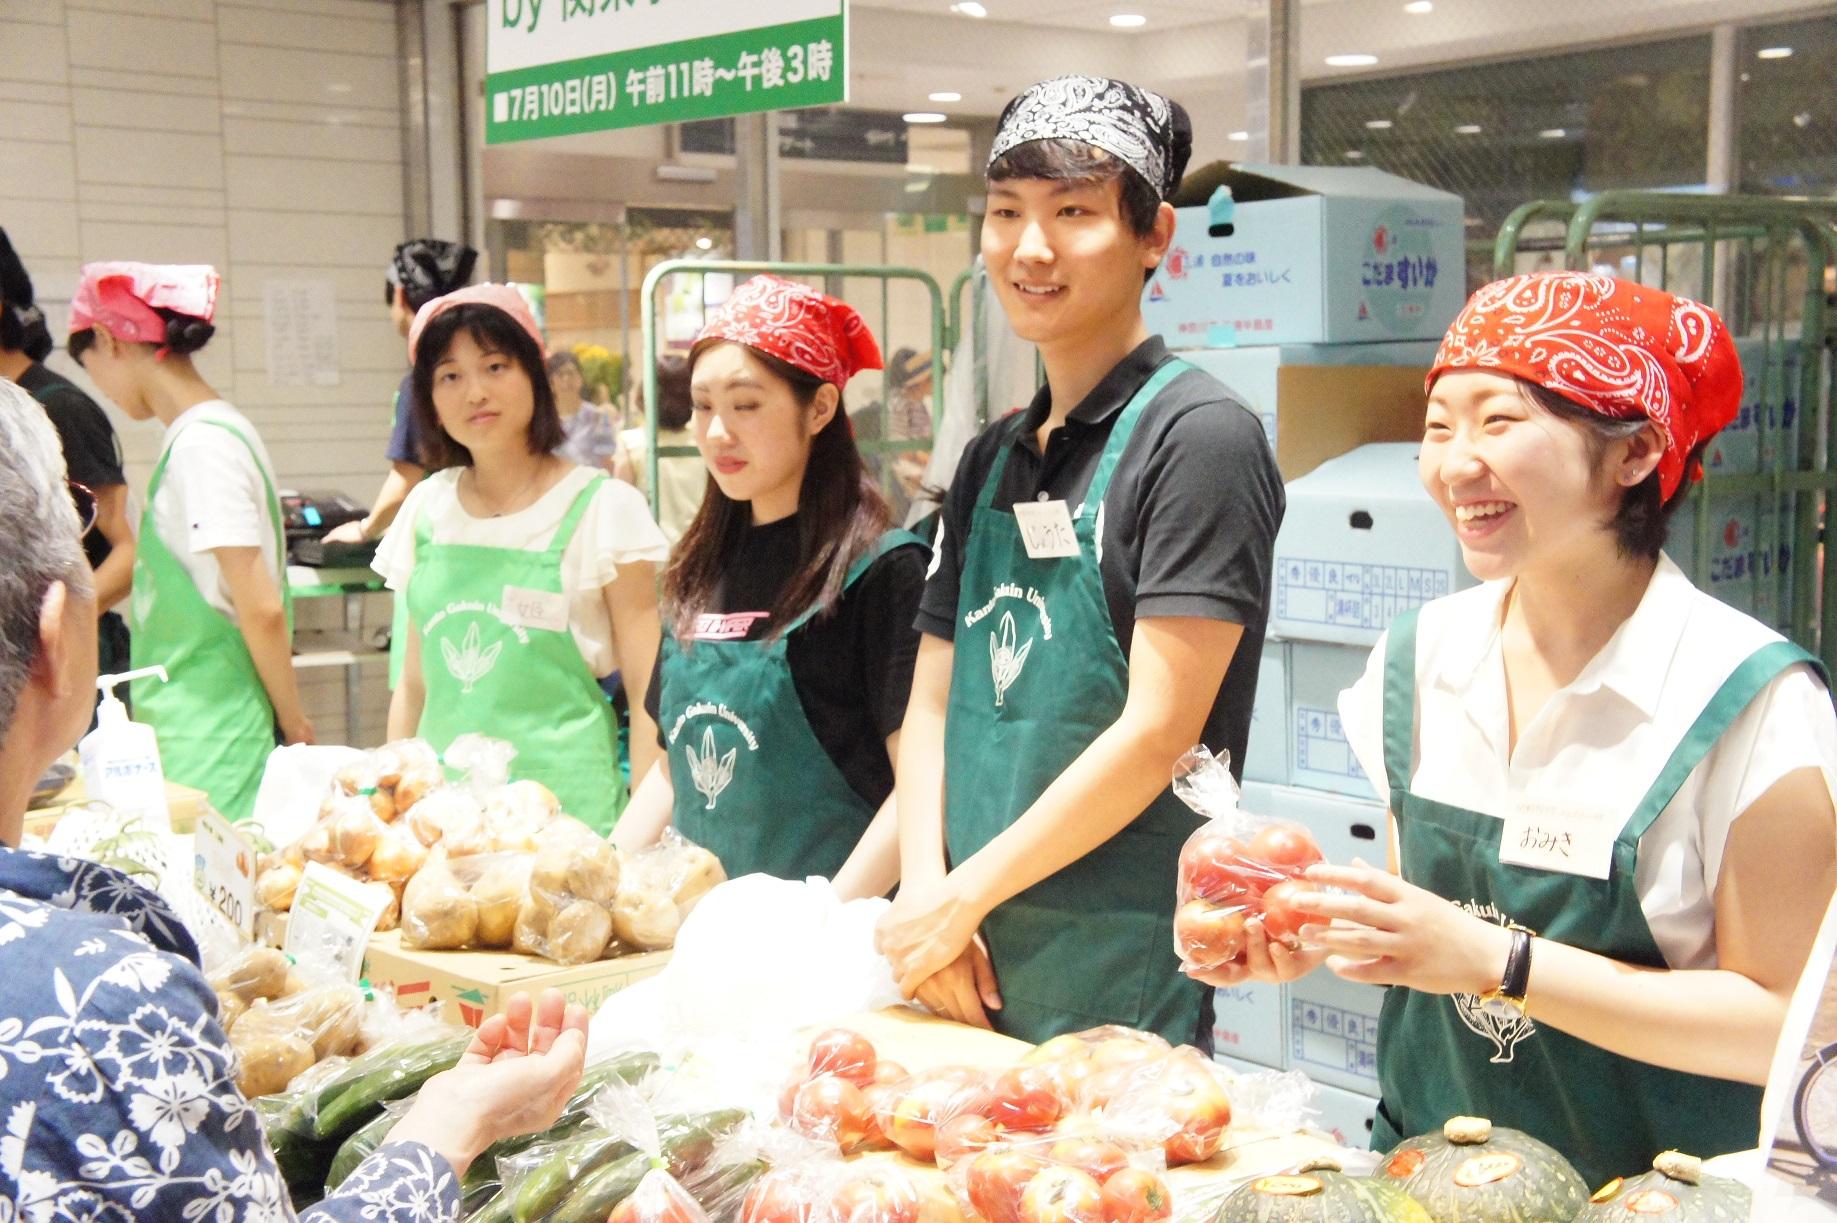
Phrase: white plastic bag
(296, 778)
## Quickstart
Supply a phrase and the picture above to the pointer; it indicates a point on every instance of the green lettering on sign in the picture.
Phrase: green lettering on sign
(800, 63)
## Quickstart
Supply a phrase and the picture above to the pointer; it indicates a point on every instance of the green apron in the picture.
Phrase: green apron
(752, 782)
(214, 721)
(1039, 674)
(1442, 1056)
(524, 684)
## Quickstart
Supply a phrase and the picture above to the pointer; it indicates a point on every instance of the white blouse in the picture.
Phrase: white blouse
(1600, 742)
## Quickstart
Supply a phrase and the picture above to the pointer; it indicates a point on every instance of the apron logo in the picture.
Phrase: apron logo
(472, 660)
(1499, 1023)
(710, 772)
(1005, 662)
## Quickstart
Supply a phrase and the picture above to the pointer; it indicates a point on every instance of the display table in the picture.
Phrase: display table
(184, 803)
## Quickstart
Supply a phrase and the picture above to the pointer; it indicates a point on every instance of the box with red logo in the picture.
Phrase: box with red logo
(472, 986)
(1311, 255)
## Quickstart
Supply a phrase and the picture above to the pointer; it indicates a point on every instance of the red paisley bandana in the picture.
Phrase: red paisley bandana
(1622, 349)
(793, 322)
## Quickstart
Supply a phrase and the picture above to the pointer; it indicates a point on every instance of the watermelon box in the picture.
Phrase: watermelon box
(472, 986)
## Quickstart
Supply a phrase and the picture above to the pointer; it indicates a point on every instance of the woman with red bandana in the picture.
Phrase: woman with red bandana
(788, 608)
(1612, 815)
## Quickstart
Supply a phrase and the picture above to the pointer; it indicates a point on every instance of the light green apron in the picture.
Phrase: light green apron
(752, 782)
(527, 685)
(1039, 674)
(214, 721)
(1442, 1056)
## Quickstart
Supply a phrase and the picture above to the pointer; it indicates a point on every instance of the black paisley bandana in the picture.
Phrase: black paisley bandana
(1147, 132)
(17, 300)
(427, 268)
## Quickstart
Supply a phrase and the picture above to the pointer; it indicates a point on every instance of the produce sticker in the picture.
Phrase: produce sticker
(557, 67)
(331, 922)
(223, 868)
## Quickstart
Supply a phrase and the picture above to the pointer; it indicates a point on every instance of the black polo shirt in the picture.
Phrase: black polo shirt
(1189, 523)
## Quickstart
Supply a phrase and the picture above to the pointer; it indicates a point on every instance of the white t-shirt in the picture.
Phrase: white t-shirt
(1600, 742)
(616, 529)
(213, 496)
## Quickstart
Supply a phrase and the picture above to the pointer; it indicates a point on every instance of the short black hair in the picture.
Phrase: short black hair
(674, 403)
(184, 335)
(561, 357)
(1074, 160)
(1643, 521)
(495, 331)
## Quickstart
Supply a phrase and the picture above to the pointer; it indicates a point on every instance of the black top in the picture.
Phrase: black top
(853, 668)
(1190, 520)
(405, 436)
(92, 454)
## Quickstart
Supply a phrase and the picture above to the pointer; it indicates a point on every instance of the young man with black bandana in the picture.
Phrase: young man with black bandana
(1096, 606)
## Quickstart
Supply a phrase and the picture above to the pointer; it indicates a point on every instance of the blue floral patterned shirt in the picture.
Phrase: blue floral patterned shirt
(118, 1097)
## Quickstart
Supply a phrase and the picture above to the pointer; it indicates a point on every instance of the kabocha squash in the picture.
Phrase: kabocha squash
(1318, 1192)
(1676, 1190)
(1474, 1173)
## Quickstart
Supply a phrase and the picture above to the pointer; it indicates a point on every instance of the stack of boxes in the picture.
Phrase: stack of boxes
(1319, 295)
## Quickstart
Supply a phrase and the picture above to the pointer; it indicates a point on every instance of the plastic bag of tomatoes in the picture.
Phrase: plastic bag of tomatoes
(840, 1093)
(1079, 1174)
(1236, 868)
(831, 1190)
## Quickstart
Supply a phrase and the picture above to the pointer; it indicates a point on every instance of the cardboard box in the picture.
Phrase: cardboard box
(1361, 543)
(472, 986)
(1249, 1025)
(1333, 1031)
(1319, 756)
(1312, 255)
(1266, 756)
(1346, 1115)
(1318, 401)
(1346, 828)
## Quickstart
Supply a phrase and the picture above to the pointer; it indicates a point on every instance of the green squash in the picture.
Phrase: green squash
(1318, 1192)
(1676, 1191)
(1473, 1173)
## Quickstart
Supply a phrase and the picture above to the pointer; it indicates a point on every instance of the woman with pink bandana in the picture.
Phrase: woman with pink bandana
(210, 592)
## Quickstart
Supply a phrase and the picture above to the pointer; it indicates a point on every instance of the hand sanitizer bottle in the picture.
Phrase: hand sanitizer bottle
(121, 757)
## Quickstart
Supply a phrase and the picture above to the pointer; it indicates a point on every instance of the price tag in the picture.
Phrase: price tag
(527, 608)
(1564, 838)
(223, 868)
(331, 922)
(1046, 529)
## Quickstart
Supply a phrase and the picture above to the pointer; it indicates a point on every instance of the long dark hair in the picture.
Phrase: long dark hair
(840, 517)
(495, 331)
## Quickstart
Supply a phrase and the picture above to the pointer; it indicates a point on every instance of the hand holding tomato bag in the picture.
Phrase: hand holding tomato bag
(1235, 869)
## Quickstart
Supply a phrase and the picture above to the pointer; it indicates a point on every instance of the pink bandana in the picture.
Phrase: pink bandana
(504, 297)
(124, 297)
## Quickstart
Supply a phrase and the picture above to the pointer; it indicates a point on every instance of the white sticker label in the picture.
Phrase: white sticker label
(1046, 529)
(223, 868)
(1564, 838)
(332, 920)
(533, 609)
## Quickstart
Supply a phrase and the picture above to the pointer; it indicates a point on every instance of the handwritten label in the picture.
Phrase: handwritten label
(1046, 529)
(223, 868)
(526, 608)
(1567, 839)
(332, 920)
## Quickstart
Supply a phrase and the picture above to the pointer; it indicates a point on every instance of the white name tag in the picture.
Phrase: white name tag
(1568, 839)
(1046, 529)
(533, 609)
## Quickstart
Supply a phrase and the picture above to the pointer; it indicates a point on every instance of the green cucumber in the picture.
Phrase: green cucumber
(359, 1147)
(687, 1144)
(631, 1068)
(386, 1073)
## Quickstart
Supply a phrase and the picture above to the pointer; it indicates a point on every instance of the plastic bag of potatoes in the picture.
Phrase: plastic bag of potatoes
(566, 914)
(281, 1023)
(659, 888)
(466, 901)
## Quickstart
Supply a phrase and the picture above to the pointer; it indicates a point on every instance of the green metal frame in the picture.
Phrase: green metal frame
(1747, 244)
(700, 267)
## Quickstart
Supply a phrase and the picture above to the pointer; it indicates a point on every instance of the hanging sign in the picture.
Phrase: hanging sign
(556, 67)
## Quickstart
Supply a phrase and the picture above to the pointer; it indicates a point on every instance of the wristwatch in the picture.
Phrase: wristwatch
(1509, 998)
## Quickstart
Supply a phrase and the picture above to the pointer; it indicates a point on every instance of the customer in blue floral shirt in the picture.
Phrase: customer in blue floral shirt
(118, 1095)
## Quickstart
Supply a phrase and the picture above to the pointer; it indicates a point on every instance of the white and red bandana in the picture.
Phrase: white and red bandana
(126, 298)
(819, 334)
(1621, 349)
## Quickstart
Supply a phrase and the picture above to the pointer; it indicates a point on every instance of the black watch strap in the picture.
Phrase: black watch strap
(1517, 980)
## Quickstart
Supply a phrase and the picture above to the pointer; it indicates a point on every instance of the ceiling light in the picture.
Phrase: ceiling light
(1238, 136)
(1351, 60)
(1468, 129)
(924, 116)
(1774, 53)
(1354, 155)
(945, 95)
(1553, 133)
(1128, 21)
(1379, 125)
(969, 8)
(704, 244)
(1419, 7)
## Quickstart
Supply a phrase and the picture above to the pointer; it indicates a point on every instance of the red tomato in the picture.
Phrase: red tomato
(1096, 1158)
(1289, 848)
(879, 1098)
(1062, 1195)
(655, 1202)
(997, 1180)
(876, 1195)
(1024, 1098)
(1065, 1045)
(844, 1053)
(787, 1099)
(888, 1072)
(963, 1136)
(831, 1108)
(1195, 1101)
(1215, 866)
(1136, 1195)
(1282, 919)
(922, 1103)
(777, 1197)
(1207, 935)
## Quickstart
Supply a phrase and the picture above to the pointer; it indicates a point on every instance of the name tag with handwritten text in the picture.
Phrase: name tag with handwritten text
(1560, 837)
(527, 608)
(1046, 529)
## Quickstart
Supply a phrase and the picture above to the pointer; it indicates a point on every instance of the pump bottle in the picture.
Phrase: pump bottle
(120, 757)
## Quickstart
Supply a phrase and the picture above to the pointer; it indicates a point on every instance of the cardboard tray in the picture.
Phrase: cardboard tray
(472, 986)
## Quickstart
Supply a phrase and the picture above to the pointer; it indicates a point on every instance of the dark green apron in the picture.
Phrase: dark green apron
(752, 782)
(1039, 674)
(1441, 1056)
